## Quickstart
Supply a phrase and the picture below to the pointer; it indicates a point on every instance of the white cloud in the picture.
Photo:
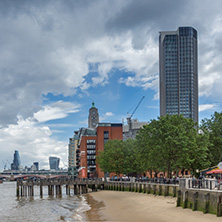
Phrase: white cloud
(33, 142)
(57, 110)
(144, 81)
(109, 114)
(204, 107)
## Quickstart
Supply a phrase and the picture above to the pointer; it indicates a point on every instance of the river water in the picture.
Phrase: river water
(66, 208)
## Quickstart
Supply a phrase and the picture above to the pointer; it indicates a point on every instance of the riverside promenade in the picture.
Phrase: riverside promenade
(198, 195)
(204, 196)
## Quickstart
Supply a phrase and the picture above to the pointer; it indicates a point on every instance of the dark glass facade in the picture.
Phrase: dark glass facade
(54, 163)
(179, 72)
(36, 165)
(16, 161)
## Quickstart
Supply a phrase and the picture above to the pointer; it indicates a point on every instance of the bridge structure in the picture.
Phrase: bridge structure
(27, 176)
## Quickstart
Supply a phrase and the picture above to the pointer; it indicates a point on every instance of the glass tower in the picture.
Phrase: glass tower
(54, 163)
(178, 68)
(16, 165)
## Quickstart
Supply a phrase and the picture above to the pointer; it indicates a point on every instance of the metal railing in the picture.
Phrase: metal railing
(159, 180)
(204, 184)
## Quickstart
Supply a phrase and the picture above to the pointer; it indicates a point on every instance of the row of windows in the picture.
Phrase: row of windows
(89, 157)
(91, 141)
(91, 146)
(91, 152)
(172, 98)
(172, 113)
(171, 80)
(106, 134)
(172, 70)
(172, 107)
(172, 103)
(172, 110)
(91, 162)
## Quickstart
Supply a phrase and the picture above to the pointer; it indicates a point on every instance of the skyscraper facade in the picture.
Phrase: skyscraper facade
(73, 146)
(16, 165)
(36, 164)
(178, 69)
(54, 163)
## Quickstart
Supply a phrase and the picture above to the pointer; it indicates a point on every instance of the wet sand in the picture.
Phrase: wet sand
(127, 206)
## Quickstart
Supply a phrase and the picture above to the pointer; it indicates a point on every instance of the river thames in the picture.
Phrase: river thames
(66, 208)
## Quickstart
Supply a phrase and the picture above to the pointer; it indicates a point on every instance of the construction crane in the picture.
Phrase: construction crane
(4, 164)
(130, 117)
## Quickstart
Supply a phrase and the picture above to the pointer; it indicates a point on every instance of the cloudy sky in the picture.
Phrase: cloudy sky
(57, 56)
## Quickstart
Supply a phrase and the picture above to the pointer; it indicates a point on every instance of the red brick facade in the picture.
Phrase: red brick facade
(115, 133)
(105, 132)
(83, 156)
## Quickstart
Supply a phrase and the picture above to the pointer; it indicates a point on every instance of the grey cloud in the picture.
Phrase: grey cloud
(46, 46)
(146, 13)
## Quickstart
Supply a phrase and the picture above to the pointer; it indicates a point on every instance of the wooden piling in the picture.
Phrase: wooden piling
(41, 191)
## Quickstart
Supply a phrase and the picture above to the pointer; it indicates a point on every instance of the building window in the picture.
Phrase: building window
(106, 136)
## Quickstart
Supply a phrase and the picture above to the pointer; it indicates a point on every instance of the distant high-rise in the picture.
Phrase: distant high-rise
(73, 146)
(36, 164)
(54, 163)
(178, 69)
(93, 118)
(16, 165)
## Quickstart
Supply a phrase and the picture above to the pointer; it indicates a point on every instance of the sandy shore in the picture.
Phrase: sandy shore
(127, 206)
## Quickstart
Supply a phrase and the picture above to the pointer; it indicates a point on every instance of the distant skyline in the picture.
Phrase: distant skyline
(57, 57)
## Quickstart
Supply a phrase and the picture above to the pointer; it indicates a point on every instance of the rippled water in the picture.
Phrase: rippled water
(66, 208)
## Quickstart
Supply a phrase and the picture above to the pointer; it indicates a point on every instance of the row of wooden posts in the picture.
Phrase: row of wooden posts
(26, 188)
(143, 187)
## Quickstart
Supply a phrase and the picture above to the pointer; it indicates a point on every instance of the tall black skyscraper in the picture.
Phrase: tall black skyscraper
(16, 165)
(178, 68)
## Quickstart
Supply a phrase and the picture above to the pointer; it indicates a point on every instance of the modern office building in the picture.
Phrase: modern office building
(36, 164)
(73, 145)
(54, 163)
(93, 118)
(16, 165)
(178, 70)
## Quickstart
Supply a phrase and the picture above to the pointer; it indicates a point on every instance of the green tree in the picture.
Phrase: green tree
(132, 163)
(112, 158)
(213, 127)
(199, 155)
(120, 157)
(170, 144)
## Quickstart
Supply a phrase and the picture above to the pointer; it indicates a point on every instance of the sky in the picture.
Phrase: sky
(59, 56)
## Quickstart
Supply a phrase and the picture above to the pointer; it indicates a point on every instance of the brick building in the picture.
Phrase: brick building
(91, 141)
(105, 132)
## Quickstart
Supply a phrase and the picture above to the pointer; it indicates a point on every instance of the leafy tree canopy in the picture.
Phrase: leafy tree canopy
(213, 127)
